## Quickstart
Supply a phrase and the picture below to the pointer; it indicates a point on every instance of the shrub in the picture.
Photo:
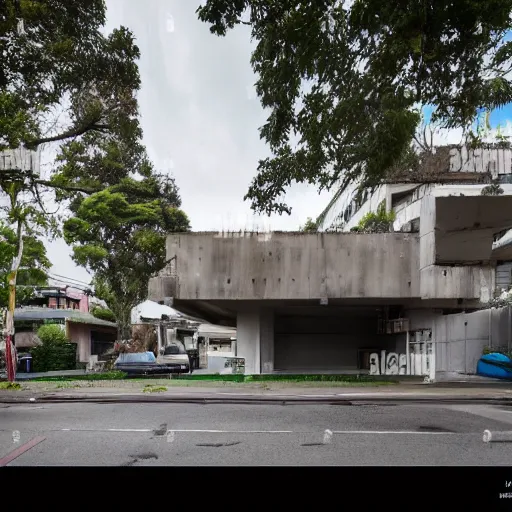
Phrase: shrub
(53, 357)
(56, 352)
(377, 222)
(492, 190)
(310, 227)
(103, 314)
(499, 350)
(51, 334)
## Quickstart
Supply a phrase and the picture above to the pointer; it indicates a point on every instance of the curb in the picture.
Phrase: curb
(254, 400)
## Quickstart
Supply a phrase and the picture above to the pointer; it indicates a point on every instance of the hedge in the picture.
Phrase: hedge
(54, 357)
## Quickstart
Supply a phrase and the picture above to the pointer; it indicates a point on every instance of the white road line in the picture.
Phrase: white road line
(106, 430)
(235, 431)
(385, 395)
(215, 431)
(402, 432)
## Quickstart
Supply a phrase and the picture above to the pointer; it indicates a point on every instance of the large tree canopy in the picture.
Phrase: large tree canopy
(345, 80)
(119, 235)
(63, 80)
(33, 268)
(59, 59)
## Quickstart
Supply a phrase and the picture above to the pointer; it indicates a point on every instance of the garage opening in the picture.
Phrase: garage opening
(337, 340)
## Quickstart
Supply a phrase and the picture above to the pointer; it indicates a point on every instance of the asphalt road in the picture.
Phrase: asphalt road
(183, 434)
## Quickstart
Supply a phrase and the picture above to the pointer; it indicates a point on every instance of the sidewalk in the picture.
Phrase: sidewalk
(245, 394)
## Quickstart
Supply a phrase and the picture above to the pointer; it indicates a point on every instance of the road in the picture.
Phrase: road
(166, 434)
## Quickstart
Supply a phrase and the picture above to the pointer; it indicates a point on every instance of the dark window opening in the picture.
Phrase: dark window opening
(102, 342)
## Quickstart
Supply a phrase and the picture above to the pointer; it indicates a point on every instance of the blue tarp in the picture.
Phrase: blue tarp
(495, 365)
(136, 357)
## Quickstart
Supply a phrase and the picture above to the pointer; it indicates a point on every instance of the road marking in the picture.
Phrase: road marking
(20, 450)
(234, 431)
(106, 430)
(218, 431)
(406, 432)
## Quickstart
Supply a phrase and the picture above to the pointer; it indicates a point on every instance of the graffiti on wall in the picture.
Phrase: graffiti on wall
(393, 363)
(388, 363)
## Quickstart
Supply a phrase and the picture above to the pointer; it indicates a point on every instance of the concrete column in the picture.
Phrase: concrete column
(255, 340)
(267, 341)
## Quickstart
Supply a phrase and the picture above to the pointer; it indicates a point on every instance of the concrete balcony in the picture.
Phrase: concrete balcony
(460, 230)
(295, 266)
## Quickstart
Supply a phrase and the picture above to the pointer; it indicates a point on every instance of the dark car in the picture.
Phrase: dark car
(145, 363)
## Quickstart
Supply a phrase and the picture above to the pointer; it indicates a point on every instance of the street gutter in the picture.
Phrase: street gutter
(360, 399)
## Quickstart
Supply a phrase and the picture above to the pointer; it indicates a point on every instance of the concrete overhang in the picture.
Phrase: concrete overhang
(465, 227)
(224, 312)
(208, 311)
(503, 252)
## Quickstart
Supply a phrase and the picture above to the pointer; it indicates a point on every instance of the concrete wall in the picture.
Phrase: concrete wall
(461, 338)
(409, 208)
(465, 227)
(294, 266)
(443, 282)
(464, 282)
(81, 335)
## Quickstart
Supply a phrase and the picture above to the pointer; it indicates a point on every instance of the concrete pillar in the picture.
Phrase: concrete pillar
(255, 340)
(267, 341)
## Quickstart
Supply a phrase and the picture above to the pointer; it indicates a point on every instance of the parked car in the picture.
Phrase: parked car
(174, 353)
(145, 363)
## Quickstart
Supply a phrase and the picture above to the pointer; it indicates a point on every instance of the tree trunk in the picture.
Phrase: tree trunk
(124, 327)
(10, 350)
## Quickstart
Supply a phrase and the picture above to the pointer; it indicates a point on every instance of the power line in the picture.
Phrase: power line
(69, 279)
(68, 284)
(78, 287)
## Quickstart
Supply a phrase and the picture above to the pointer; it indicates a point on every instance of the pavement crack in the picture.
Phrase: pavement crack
(433, 428)
(161, 431)
(144, 456)
(312, 444)
(138, 457)
(219, 445)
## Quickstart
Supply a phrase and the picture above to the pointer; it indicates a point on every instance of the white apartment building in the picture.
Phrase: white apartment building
(346, 211)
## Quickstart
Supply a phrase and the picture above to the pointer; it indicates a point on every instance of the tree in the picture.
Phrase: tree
(52, 334)
(310, 226)
(494, 189)
(380, 221)
(61, 59)
(347, 81)
(119, 235)
(61, 80)
(103, 314)
(33, 267)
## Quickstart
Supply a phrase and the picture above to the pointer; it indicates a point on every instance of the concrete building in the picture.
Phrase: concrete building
(337, 301)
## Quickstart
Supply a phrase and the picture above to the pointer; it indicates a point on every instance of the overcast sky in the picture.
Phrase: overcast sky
(200, 117)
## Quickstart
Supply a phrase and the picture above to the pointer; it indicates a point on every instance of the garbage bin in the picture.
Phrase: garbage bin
(25, 363)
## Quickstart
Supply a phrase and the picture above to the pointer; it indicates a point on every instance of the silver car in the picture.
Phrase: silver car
(175, 354)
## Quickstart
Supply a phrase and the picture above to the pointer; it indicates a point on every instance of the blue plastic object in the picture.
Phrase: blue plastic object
(495, 365)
